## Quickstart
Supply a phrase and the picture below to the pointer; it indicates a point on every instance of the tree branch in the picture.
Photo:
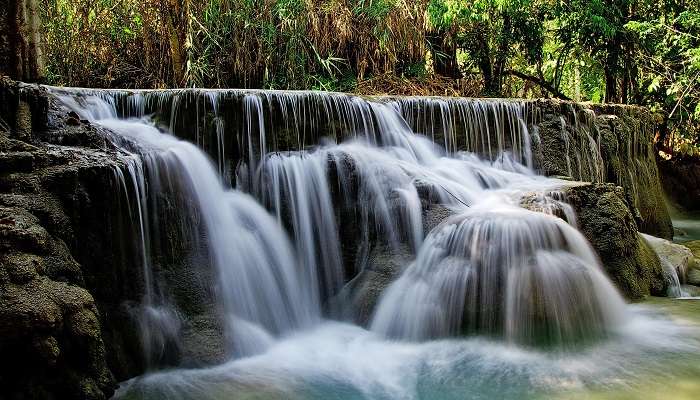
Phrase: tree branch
(541, 83)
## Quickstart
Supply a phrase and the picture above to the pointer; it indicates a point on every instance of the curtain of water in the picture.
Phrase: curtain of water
(496, 269)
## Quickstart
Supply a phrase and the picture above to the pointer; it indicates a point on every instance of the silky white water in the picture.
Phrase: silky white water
(261, 289)
(498, 302)
(338, 361)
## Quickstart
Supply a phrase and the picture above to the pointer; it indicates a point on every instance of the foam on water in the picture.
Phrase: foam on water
(343, 361)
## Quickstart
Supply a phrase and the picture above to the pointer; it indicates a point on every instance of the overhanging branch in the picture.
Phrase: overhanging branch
(539, 82)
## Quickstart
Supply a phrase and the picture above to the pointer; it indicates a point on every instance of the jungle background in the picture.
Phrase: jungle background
(619, 51)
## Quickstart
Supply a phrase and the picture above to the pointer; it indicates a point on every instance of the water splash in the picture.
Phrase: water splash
(500, 270)
(496, 269)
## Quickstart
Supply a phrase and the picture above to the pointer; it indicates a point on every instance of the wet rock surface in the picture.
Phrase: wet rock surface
(381, 266)
(71, 276)
(677, 256)
(66, 274)
(49, 323)
(606, 219)
(51, 326)
(361, 295)
(693, 275)
(569, 133)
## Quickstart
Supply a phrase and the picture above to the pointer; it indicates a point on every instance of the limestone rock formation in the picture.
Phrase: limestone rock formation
(568, 133)
(381, 266)
(693, 275)
(606, 219)
(69, 276)
(361, 295)
(50, 323)
(677, 256)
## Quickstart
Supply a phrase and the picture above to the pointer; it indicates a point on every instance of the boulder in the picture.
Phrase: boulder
(382, 266)
(606, 219)
(203, 341)
(604, 143)
(433, 215)
(359, 297)
(677, 256)
(51, 329)
(693, 274)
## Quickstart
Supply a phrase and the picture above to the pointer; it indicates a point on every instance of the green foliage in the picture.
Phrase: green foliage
(491, 32)
(632, 51)
(669, 53)
(224, 43)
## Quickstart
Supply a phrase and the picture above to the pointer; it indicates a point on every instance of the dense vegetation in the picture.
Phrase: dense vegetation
(626, 51)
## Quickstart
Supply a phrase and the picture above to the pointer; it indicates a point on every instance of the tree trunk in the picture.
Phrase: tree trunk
(662, 136)
(444, 55)
(610, 86)
(612, 70)
(177, 21)
(491, 86)
(482, 53)
(501, 57)
(20, 42)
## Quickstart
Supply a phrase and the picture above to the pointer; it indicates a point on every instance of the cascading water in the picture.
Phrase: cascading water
(258, 282)
(500, 274)
(671, 274)
(300, 182)
(501, 270)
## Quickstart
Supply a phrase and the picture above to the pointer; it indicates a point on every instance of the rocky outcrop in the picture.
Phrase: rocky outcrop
(359, 297)
(49, 325)
(606, 219)
(678, 257)
(55, 241)
(585, 142)
(381, 266)
(693, 275)
(72, 282)
(605, 143)
(69, 279)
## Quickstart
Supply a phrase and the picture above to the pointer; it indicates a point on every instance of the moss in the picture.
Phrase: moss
(606, 219)
(693, 274)
(623, 136)
(694, 246)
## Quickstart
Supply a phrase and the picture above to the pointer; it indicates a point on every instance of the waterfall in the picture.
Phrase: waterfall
(287, 214)
(675, 289)
(340, 174)
(258, 284)
(297, 185)
(500, 270)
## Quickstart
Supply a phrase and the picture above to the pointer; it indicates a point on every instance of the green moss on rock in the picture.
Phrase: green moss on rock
(606, 219)
(693, 274)
(604, 143)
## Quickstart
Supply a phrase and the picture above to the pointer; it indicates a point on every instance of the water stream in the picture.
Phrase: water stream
(499, 301)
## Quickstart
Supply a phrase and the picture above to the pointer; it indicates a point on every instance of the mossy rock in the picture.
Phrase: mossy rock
(359, 297)
(606, 219)
(624, 135)
(693, 275)
(694, 246)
